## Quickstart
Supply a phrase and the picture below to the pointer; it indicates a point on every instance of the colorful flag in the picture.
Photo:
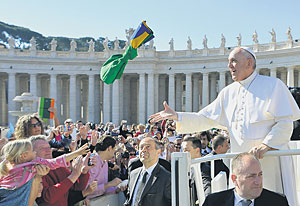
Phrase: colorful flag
(114, 67)
(142, 35)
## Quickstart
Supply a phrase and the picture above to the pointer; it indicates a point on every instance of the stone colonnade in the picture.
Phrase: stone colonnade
(134, 97)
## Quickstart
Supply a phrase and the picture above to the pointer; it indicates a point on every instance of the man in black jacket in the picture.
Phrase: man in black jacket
(151, 184)
(248, 191)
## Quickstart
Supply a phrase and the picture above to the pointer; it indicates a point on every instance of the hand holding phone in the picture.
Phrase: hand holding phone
(90, 162)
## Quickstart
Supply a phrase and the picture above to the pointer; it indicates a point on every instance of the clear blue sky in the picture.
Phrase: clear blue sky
(168, 19)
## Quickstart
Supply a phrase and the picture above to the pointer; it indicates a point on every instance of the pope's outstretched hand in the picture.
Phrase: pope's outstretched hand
(167, 113)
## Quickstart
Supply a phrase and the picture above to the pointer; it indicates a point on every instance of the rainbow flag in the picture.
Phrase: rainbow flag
(44, 105)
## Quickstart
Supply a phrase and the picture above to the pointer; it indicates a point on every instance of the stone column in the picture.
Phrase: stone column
(188, 92)
(156, 83)
(150, 99)
(3, 110)
(72, 97)
(121, 99)
(91, 99)
(142, 98)
(195, 93)
(11, 95)
(178, 93)
(33, 84)
(222, 80)
(106, 104)
(33, 89)
(283, 76)
(58, 101)
(273, 72)
(116, 102)
(205, 87)
(127, 99)
(85, 99)
(171, 90)
(53, 88)
(163, 89)
(213, 84)
(79, 115)
(290, 77)
(98, 93)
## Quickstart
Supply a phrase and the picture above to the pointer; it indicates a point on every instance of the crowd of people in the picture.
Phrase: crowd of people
(75, 162)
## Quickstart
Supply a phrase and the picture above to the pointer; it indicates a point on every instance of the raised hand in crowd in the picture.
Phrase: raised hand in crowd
(76, 168)
(81, 151)
(73, 145)
(167, 113)
(94, 137)
(55, 118)
(88, 158)
(54, 133)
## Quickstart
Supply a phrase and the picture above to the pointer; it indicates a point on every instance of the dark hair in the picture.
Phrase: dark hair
(218, 141)
(105, 143)
(196, 143)
(205, 133)
(125, 155)
(23, 130)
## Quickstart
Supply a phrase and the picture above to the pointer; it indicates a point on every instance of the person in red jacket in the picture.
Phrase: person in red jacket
(58, 182)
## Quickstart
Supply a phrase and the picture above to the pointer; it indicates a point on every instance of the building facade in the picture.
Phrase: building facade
(187, 79)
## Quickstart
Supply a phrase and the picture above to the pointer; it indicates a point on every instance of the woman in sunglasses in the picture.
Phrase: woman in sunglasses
(29, 125)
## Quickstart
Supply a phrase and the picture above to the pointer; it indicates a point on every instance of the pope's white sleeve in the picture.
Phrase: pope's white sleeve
(190, 122)
(280, 133)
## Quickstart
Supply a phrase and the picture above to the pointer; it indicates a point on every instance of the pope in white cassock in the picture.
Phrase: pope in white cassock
(258, 112)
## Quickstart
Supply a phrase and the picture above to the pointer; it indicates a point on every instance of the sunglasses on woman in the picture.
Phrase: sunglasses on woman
(38, 124)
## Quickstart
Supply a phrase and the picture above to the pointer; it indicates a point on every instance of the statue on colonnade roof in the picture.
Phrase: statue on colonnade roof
(239, 40)
(273, 34)
(116, 43)
(32, 41)
(289, 34)
(205, 42)
(189, 44)
(171, 44)
(73, 45)
(254, 37)
(53, 44)
(223, 41)
(91, 45)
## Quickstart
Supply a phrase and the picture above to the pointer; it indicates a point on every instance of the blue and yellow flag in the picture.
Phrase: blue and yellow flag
(142, 35)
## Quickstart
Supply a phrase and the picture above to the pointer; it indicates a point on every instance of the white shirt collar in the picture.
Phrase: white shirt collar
(150, 169)
(238, 198)
(248, 80)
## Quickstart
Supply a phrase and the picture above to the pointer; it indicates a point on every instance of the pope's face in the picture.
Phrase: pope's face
(239, 65)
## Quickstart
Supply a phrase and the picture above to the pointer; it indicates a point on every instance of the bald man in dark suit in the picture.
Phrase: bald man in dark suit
(248, 191)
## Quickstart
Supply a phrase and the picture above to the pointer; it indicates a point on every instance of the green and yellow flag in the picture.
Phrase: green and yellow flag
(114, 67)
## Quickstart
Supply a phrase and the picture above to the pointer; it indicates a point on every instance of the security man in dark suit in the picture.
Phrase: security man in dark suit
(151, 184)
(248, 191)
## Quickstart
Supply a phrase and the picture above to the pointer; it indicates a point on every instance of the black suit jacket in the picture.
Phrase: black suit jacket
(226, 198)
(157, 190)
